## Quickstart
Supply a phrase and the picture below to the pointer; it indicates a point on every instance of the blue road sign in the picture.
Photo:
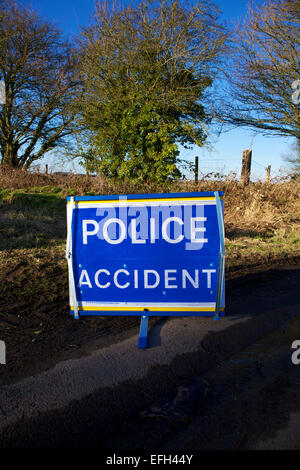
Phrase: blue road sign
(150, 254)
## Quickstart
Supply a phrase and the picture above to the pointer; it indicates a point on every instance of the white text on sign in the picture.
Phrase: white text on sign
(149, 279)
(92, 228)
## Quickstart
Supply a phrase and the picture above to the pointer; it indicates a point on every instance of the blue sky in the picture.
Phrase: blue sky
(225, 152)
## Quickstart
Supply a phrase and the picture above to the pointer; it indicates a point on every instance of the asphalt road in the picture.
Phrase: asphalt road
(123, 397)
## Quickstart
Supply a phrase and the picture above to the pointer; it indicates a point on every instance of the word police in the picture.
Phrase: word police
(108, 229)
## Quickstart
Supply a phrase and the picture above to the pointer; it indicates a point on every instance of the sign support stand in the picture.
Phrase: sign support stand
(69, 257)
(221, 255)
(142, 341)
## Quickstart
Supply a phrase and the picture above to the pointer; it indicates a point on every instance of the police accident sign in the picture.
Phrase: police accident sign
(153, 254)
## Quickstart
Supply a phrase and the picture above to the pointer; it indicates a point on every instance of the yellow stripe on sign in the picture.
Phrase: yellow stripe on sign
(128, 201)
(149, 309)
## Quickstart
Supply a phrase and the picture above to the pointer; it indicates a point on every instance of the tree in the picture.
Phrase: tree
(265, 65)
(145, 72)
(37, 69)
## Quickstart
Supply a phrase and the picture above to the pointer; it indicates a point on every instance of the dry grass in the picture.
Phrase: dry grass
(262, 221)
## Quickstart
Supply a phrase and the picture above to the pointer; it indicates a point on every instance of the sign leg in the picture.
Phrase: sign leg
(219, 287)
(142, 341)
(69, 256)
(221, 255)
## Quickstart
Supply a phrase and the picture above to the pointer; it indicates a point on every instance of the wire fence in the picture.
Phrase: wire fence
(218, 167)
(210, 167)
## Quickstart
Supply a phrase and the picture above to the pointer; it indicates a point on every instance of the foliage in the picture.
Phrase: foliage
(145, 72)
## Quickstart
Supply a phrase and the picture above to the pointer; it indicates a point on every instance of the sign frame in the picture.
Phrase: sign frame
(192, 198)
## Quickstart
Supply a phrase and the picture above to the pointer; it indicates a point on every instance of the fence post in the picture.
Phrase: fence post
(246, 167)
(268, 173)
(196, 169)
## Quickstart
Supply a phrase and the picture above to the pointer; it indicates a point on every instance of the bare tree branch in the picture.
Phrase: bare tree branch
(266, 62)
(36, 66)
